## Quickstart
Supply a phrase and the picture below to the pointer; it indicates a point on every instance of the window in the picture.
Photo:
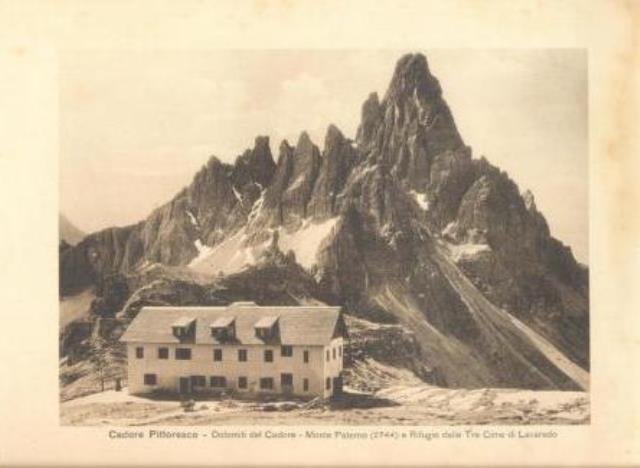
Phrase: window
(139, 352)
(305, 356)
(268, 355)
(183, 353)
(217, 355)
(242, 382)
(242, 355)
(305, 385)
(222, 334)
(328, 384)
(179, 332)
(265, 334)
(218, 381)
(150, 379)
(286, 380)
(198, 381)
(340, 351)
(334, 353)
(328, 355)
(266, 383)
(163, 353)
(286, 351)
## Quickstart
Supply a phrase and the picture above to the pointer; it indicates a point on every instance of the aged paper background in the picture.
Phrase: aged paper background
(33, 33)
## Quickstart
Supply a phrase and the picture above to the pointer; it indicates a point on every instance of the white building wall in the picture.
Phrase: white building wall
(333, 357)
(168, 371)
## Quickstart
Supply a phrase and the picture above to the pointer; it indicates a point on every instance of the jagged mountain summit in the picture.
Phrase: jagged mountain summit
(402, 224)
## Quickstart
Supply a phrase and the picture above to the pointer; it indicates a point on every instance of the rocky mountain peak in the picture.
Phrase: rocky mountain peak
(333, 137)
(213, 174)
(411, 126)
(287, 197)
(261, 142)
(370, 118)
(284, 148)
(261, 154)
(338, 159)
(255, 165)
(304, 145)
(413, 78)
(213, 163)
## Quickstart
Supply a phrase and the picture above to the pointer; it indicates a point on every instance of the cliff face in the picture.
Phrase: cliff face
(217, 202)
(401, 225)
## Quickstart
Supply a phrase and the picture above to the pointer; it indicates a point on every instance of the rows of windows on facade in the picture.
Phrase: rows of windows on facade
(218, 381)
(285, 351)
(266, 383)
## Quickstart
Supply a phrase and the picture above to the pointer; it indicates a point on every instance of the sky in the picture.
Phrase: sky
(137, 125)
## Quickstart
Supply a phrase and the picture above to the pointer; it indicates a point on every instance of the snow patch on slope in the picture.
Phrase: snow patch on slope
(421, 199)
(256, 208)
(192, 218)
(229, 256)
(306, 241)
(467, 251)
(202, 249)
(146, 265)
(297, 183)
(237, 194)
(232, 255)
(369, 169)
(450, 229)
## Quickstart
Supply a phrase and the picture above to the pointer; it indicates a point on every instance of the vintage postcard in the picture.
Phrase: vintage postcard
(326, 248)
(371, 268)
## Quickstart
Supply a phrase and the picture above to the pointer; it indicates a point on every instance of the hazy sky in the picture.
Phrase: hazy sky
(136, 126)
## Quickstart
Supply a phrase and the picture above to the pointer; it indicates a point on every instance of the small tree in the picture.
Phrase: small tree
(99, 362)
(107, 362)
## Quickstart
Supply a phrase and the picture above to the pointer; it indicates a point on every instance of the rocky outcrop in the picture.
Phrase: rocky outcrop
(338, 159)
(85, 264)
(389, 344)
(254, 166)
(287, 198)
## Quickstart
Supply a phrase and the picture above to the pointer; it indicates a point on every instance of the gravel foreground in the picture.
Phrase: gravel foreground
(399, 405)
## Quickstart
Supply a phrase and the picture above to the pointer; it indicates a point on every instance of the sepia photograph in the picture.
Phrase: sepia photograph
(324, 237)
(340, 233)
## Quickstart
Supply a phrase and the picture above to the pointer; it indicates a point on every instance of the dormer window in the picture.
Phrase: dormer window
(179, 332)
(267, 328)
(224, 329)
(183, 329)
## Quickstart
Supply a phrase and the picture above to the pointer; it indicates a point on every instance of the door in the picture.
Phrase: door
(286, 383)
(337, 385)
(185, 385)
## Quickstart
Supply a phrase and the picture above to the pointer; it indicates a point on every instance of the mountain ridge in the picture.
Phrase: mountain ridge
(370, 219)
